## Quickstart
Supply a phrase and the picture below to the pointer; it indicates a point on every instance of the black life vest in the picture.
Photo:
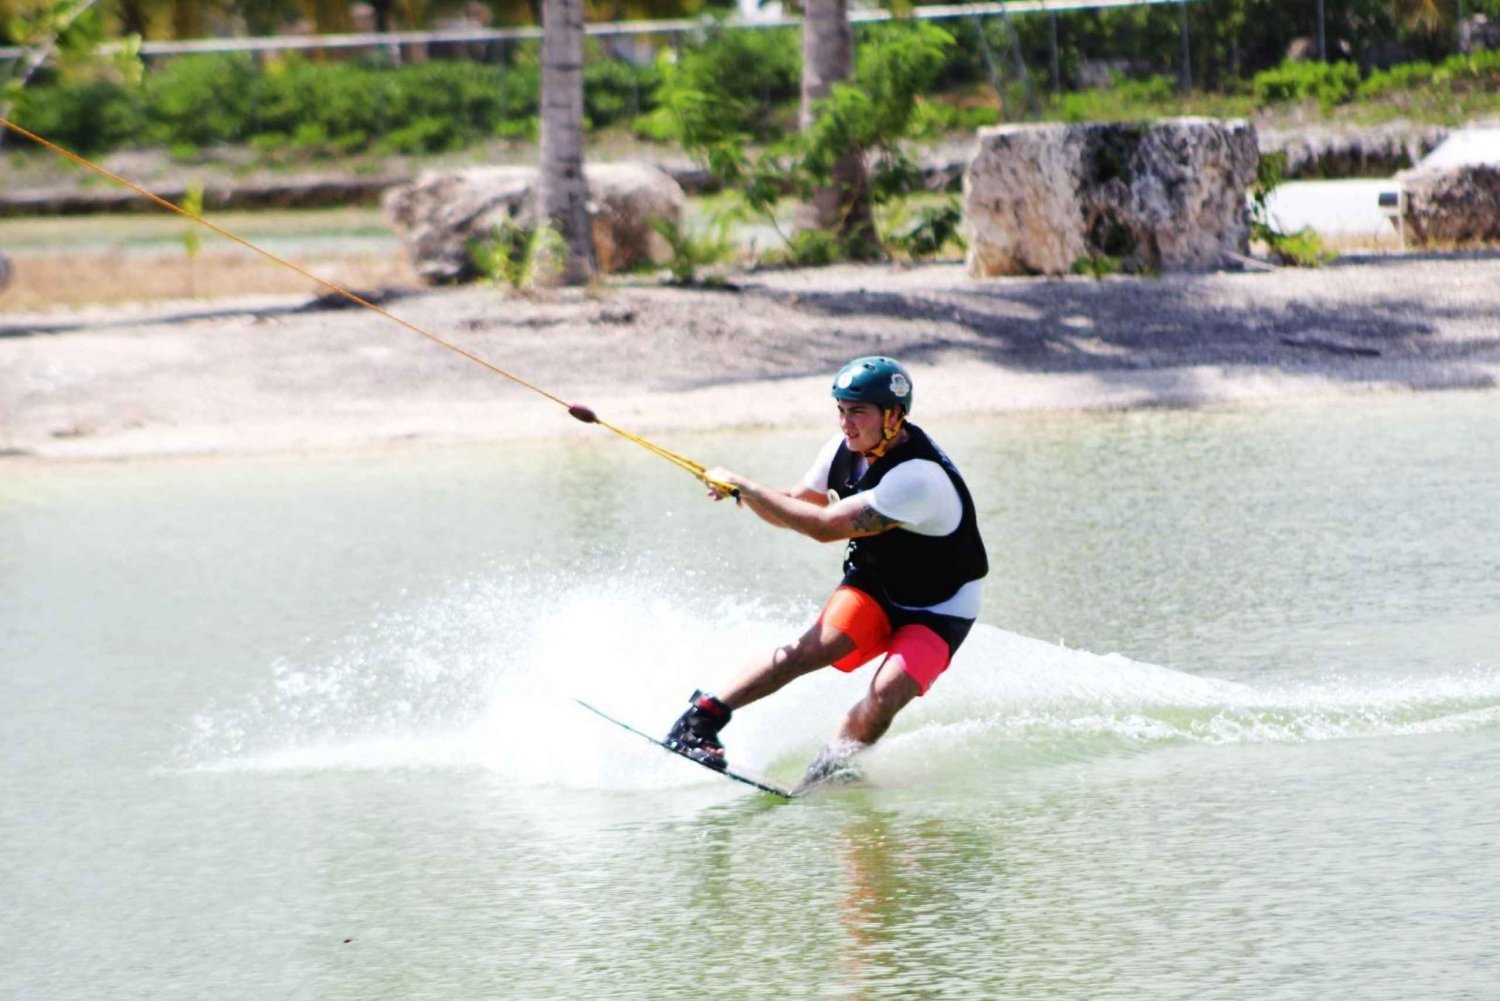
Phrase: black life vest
(913, 570)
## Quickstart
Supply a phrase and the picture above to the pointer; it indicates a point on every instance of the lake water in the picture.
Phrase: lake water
(301, 728)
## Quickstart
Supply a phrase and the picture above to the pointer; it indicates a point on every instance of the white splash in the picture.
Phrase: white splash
(485, 676)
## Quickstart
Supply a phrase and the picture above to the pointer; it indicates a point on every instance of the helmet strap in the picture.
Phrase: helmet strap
(891, 422)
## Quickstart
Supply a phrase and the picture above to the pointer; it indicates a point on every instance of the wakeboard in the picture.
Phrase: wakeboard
(744, 775)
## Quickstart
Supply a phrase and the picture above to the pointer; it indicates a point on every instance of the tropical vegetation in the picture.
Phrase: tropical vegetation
(733, 98)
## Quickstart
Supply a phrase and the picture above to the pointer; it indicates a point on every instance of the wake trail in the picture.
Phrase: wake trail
(483, 676)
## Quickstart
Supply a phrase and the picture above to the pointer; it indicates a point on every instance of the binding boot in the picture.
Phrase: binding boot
(696, 732)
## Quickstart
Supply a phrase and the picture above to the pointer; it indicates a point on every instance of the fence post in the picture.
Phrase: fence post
(1187, 62)
(1056, 67)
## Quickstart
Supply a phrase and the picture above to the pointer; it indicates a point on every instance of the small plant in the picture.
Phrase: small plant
(936, 227)
(516, 256)
(192, 236)
(1329, 83)
(692, 251)
(813, 248)
(873, 114)
(1097, 265)
(1302, 249)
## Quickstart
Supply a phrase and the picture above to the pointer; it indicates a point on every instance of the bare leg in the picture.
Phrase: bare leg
(818, 647)
(890, 690)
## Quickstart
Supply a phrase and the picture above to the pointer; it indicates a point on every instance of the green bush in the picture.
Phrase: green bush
(1328, 83)
(423, 108)
(202, 100)
(937, 118)
(89, 118)
(733, 85)
(1302, 249)
(934, 229)
(1475, 71)
(693, 250)
(615, 90)
(1126, 100)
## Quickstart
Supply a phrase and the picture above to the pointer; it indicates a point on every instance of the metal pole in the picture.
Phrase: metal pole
(1056, 68)
(997, 74)
(1322, 39)
(1187, 64)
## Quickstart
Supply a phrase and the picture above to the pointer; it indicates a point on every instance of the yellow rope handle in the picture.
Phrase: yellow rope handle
(578, 411)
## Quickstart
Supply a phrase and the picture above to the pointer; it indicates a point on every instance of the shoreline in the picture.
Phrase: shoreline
(274, 377)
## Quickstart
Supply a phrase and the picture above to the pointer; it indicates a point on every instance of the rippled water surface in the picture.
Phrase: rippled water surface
(291, 728)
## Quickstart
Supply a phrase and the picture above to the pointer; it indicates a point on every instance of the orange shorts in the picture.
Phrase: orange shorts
(917, 649)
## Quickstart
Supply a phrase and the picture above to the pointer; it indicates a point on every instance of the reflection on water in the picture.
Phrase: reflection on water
(303, 729)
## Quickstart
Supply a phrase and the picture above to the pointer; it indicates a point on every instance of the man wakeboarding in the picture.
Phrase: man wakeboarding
(911, 587)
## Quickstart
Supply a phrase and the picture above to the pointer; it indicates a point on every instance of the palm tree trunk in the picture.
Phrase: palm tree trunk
(187, 19)
(562, 193)
(828, 58)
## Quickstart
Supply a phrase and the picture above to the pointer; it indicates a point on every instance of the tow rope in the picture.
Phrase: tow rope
(577, 410)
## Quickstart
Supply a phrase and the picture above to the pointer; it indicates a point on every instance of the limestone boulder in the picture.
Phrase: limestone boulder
(624, 199)
(442, 211)
(1168, 196)
(1314, 151)
(1453, 205)
(438, 215)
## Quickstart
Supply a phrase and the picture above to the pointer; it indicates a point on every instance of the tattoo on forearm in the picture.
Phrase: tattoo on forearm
(867, 519)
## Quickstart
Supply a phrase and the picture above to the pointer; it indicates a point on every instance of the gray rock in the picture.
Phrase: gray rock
(437, 215)
(1377, 151)
(441, 212)
(1478, 33)
(1453, 205)
(4, 271)
(624, 199)
(1168, 196)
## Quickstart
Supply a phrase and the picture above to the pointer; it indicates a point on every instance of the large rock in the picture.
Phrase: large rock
(624, 199)
(1314, 152)
(1169, 196)
(4, 271)
(441, 212)
(1453, 205)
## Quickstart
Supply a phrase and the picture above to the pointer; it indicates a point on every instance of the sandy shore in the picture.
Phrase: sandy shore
(247, 376)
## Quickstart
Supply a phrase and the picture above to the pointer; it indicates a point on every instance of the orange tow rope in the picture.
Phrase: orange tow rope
(576, 410)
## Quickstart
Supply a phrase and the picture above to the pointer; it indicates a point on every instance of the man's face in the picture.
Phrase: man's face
(861, 425)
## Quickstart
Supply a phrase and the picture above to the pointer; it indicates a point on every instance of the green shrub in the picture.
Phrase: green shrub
(1126, 100)
(203, 100)
(938, 117)
(874, 114)
(732, 85)
(1099, 266)
(1304, 248)
(935, 227)
(657, 125)
(693, 250)
(423, 108)
(516, 256)
(1479, 70)
(88, 118)
(615, 90)
(425, 135)
(813, 248)
(1328, 83)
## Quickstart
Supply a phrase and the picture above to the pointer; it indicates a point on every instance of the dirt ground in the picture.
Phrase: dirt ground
(286, 373)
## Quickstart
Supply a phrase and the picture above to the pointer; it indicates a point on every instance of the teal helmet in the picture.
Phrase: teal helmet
(876, 379)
